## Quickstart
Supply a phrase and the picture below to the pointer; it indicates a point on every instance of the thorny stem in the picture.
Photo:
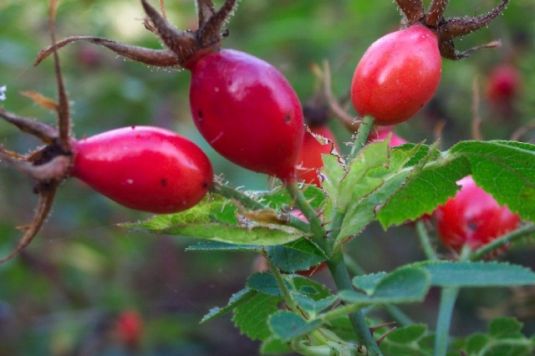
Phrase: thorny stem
(248, 202)
(425, 241)
(519, 233)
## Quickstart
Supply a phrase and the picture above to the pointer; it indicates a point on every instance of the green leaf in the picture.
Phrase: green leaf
(505, 328)
(368, 282)
(505, 170)
(333, 171)
(477, 274)
(313, 306)
(287, 325)
(263, 283)
(476, 342)
(274, 346)
(208, 246)
(405, 285)
(280, 199)
(383, 176)
(215, 220)
(425, 189)
(235, 300)
(408, 334)
(405, 341)
(308, 287)
(296, 256)
(251, 316)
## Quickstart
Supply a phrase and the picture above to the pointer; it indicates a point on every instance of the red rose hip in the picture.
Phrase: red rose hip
(247, 111)
(473, 218)
(398, 74)
(144, 168)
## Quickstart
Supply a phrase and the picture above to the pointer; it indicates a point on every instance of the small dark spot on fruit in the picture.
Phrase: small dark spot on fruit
(205, 185)
(472, 225)
(200, 114)
(163, 182)
(287, 118)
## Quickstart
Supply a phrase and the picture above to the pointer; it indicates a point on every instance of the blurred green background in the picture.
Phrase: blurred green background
(63, 295)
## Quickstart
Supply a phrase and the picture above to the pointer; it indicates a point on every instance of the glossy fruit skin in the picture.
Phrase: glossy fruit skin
(144, 168)
(503, 84)
(398, 75)
(247, 111)
(310, 161)
(130, 328)
(473, 218)
(383, 133)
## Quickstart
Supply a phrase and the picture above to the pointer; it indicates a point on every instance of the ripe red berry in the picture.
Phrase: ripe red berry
(398, 75)
(310, 160)
(383, 133)
(473, 218)
(247, 111)
(503, 84)
(144, 168)
(130, 328)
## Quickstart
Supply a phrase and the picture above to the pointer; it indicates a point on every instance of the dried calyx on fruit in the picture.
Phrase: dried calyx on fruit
(400, 72)
(448, 29)
(243, 106)
(143, 168)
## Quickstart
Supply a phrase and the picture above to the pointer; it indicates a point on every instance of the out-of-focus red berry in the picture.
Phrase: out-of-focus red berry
(473, 218)
(503, 84)
(130, 328)
(382, 133)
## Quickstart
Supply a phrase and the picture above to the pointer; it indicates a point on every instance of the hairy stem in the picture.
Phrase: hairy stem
(343, 282)
(282, 286)
(519, 233)
(448, 297)
(318, 233)
(425, 241)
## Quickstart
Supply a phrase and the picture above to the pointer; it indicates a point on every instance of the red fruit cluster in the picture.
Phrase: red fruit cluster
(473, 218)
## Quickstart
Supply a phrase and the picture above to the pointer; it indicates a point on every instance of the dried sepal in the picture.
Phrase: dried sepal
(41, 100)
(44, 132)
(182, 46)
(412, 9)
(435, 13)
(46, 198)
(152, 57)
(461, 26)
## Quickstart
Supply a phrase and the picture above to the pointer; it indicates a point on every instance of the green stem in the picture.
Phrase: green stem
(282, 286)
(362, 136)
(318, 233)
(343, 282)
(360, 141)
(425, 241)
(248, 202)
(448, 297)
(504, 240)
